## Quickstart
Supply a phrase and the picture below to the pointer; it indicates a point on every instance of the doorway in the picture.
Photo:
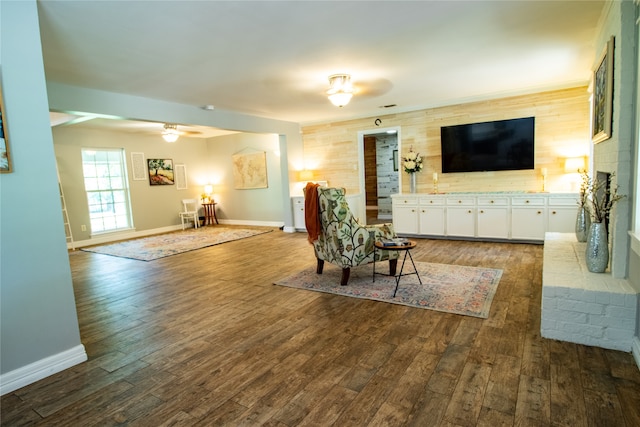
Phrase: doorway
(379, 176)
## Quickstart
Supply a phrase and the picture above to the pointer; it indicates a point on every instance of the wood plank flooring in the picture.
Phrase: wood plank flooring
(204, 338)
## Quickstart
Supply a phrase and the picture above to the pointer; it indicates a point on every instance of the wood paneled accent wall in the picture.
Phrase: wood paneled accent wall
(562, 130)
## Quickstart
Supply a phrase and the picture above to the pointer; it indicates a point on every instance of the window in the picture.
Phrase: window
(105, 181)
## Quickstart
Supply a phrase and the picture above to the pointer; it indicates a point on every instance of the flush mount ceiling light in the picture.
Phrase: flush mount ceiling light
(341, 91)
(170, 133)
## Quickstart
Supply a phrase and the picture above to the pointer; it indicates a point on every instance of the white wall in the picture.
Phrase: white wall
(246, 205)
(38, 321)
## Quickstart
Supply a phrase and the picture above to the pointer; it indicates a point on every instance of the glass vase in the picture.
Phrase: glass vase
(597, 253)
(412, 183)
(583, 223)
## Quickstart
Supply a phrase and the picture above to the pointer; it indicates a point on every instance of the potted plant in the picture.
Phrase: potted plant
(583, 219)
(599, 200)
(412, 163)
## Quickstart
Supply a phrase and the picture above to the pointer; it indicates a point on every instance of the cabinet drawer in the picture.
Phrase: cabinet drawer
(408, 201)
(527, 201)
(431, 201)
(493, 201)
(461, 201)
(563, 201)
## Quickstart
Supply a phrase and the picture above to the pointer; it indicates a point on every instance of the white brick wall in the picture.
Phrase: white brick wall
(583, 307)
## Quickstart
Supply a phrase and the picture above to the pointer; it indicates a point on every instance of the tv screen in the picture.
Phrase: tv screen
(488, 146)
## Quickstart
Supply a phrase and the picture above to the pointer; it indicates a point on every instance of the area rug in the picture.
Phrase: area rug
(449, 288)
(164, 245)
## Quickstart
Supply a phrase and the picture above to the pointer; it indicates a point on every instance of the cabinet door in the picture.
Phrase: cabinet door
(432, 220)
(527, 223)
(562, 219)
(493, 222)
(405, 219)
(461, 221)
(298, 213)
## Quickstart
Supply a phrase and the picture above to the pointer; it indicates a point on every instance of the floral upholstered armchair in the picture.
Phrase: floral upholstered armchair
(342, 240)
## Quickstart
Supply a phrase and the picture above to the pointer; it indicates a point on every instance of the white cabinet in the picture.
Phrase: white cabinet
(405, 215)
(528, 218)
(298, 213)
(461, 218)
(493, 217)
(431, 215)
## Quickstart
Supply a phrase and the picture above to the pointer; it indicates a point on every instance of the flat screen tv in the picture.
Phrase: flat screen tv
(489, 146)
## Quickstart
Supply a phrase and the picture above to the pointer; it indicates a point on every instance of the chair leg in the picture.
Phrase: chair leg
(319, 266)
(393, 266)
(345, 276)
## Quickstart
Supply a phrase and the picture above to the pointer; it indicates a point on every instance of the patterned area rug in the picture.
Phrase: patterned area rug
(449, 288)
(164, 245)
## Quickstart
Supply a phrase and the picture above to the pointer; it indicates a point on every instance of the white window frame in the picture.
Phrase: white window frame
(107, 189)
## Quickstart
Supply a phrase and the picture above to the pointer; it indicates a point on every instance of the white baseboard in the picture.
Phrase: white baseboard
(43, 368)
(114, 237)
(635, 350)
(101, 239)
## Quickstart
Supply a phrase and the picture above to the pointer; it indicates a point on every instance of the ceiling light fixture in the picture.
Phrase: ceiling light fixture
(170, 133)
(341, 91)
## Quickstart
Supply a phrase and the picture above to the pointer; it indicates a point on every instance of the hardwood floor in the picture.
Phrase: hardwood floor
(204, 338)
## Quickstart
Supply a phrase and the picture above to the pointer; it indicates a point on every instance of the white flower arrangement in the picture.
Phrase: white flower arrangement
(412, 163)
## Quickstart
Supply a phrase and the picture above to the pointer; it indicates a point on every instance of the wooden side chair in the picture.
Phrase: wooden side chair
(189, 212)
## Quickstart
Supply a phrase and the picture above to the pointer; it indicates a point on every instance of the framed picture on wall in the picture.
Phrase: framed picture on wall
(5, 157)
(160, 171)
(602, 95)
(395, 160)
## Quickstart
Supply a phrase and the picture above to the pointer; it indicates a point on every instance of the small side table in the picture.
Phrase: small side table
(210, 213)
(407, 251)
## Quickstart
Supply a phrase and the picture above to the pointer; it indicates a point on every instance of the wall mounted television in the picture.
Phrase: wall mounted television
(488, 146)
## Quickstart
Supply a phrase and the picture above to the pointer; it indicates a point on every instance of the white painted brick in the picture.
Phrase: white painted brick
(615, 322)
(578, 329)
(580, 306)
(618, 299)
(603, 298)
(548, 324)
(621, 312)
(549, 303)
(571, 317)
(615, 334)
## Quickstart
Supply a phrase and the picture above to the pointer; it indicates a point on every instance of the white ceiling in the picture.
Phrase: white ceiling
(272, 58)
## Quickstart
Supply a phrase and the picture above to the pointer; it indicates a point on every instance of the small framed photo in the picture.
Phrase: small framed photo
(603, 95)
(160, 171)
(5, 156)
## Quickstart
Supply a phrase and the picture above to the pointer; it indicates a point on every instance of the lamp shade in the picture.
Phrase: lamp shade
(305, 175)
(208, 189)
(574, 164)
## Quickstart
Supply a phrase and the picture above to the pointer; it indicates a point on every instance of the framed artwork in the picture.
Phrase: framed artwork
(602, 95)
(160, 171)
(250, 170)
(395, 160)
(181, 177)
(137, 167)
(5, 157)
